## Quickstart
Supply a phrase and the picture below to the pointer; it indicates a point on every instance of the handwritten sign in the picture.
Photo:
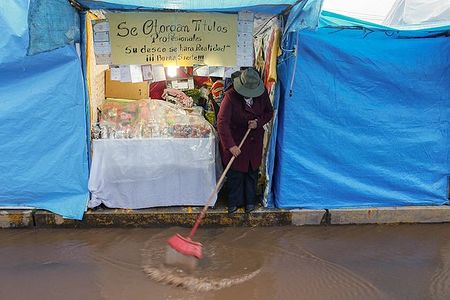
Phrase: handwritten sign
(182, 39)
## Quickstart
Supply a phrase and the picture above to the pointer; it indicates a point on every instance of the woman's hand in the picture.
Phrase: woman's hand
(235, 151)
(252, 124)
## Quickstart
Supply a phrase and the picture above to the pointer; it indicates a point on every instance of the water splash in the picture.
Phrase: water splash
(198, 284)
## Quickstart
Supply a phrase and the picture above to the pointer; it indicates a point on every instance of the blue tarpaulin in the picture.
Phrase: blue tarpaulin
(53, 24)
(42, 122)
(14, 26)
(331, 19)
(261, 6)
(367, 124)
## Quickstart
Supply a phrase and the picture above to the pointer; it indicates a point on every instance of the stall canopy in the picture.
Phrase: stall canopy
(43, 141)
(419, 14)
(332, 19)
(261, 6)
(404, 15)
(363, 119)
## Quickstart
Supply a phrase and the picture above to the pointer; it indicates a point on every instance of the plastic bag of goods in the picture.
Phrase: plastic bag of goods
(149, 119)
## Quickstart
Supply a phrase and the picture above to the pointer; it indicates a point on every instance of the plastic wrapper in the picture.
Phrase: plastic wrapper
(149, 119)
(151, 153)
(178, 97)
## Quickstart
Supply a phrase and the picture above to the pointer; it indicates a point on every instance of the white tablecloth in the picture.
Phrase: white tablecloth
(140, 173)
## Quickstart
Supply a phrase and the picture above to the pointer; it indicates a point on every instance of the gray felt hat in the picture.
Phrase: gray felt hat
(248, 83)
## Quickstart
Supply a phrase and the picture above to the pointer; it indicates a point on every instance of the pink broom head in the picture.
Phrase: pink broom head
(185, 246)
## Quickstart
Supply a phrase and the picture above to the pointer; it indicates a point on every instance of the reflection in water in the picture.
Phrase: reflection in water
(440, 282)
(200, 284)
(221, 267)
(319, 276)
(345, 262)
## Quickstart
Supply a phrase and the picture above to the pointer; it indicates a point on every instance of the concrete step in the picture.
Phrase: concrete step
(185, 216)
(16, 219)
(164, 217)
(391, 215)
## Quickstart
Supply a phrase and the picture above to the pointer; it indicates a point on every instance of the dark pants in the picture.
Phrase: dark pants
(241, 188)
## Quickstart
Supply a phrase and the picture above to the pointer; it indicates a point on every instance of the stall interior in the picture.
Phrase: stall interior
(153, 101)
(130, 107)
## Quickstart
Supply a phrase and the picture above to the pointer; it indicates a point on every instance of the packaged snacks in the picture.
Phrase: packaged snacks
(177, 97)
(149, 119)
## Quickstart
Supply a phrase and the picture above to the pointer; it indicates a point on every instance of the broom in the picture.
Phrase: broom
(183, 251)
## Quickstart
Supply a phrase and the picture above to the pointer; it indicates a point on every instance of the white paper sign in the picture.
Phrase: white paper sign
(102, 36)
(230, 70)
(245, 39)
(246, 16)
(217, 71)
(159, 73)
(147, 73)
(244, 61)
(136, 73)
(125, 73)
(201, 71)
(100, 25)
(115, 74)
(102, 46)
(180, 85)
(103, 59)
(245, 26)
(130, 73)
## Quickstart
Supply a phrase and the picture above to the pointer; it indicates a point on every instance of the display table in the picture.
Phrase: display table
(141, 173)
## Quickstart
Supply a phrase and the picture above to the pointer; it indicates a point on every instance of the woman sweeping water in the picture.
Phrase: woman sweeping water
(245, 105)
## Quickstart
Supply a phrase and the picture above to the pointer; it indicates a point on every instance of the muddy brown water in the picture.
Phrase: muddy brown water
(342, 262)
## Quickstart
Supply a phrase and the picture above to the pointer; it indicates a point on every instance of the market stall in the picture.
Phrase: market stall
(156, 81)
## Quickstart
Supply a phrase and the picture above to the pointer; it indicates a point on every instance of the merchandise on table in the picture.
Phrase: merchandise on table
(196, 95)
(121, 119)
(210, 116)
(177, 97)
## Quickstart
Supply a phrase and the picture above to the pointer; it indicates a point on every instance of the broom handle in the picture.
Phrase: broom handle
(216, 188)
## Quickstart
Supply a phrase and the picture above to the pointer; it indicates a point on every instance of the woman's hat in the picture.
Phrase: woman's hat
(248, 83)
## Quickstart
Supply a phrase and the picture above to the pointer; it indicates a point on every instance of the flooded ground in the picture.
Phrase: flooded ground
(342, 262)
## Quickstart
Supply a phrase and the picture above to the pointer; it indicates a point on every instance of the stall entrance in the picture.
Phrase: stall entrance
(155, 83)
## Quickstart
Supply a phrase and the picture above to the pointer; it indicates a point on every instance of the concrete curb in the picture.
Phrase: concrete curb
(391, 215)
(16, 219)
(163, 217)
(185, 216)
(300, 217)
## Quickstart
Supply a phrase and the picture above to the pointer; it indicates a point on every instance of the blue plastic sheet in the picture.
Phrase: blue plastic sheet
(42, 121)
(14, 30)
(261, 6)
(367, 124)
(43, 133)
(304, 15)
(52, 24)
(330, 19)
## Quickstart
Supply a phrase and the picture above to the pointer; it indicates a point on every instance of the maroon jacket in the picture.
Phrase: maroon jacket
(232, 123)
